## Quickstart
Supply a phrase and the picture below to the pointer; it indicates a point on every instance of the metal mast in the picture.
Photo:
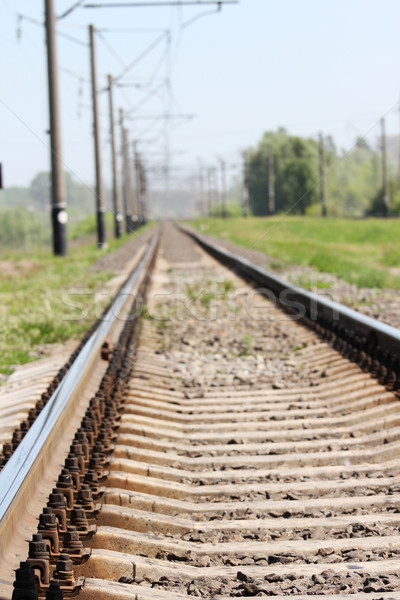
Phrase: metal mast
(116, 190)
(100, 210)
(59, 215)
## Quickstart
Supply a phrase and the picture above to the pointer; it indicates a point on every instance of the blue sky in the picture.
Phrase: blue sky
(308, 65)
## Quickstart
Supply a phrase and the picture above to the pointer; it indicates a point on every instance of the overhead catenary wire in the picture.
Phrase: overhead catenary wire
(145, 84)
(110, 48)
(129, 30)
(167, 119)
(204, 14)
(159, 3)
(74, 74)
(70, 38)
(151, 94)
(162, 116)
(70, 9)
(21, 17)
(142, 55)
(113, 52)
(170, 99)
(162, 59)
(146, 130)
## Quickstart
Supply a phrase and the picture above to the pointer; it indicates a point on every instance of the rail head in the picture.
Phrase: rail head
(302, 303)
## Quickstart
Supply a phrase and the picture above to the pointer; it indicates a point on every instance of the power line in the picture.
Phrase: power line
(161, 3)
(72, 39)
(69, 10)
(163, 116)
(141, 56)
(128, 30)
(162, 59)
(110, 49)
(74, 74)
(125, 67)
(145, 83)
(145, 131)
(29, 19)
(204, 14)
(151, 93)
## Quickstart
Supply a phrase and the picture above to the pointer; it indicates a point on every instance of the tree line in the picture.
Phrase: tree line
(353, 179)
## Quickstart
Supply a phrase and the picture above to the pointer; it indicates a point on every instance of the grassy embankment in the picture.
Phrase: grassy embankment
(37, 294)
(362, 252)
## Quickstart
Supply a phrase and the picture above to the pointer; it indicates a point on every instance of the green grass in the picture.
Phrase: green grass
(47, 299)
(363, 252)
(88, 227)
(246, 345)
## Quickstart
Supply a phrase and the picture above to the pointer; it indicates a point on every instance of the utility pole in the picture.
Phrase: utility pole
(116, 191)
(324, 211)
(245, 185)
(143, 192)
(101, 229)
(125, 169)
(271, 181)
(217, 195)
(137, 208)
(129, 195)
(223, 187)
(59, 215)
(201, 186)
(386, 190)
(398, 165)
(209, 176)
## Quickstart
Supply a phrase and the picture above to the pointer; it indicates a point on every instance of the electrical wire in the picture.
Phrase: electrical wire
(29, 19)
(126, 30)
(71, 9)
(149, 128)
(151, 94)
(126, 98)
(159, 3)
(130, 84)
(159, 117)
(141, 56)
(204, 14)
(72, 39)
(110, 48)
(34, 21)
(74, 74)
(158, 66)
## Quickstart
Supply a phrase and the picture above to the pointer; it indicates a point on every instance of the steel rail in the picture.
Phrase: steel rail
(302, 303)
(28, 462)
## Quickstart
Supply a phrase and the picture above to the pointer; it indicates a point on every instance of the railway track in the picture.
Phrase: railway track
(230, 451)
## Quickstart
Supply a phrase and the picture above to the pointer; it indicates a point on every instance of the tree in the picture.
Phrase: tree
(353, 178)
(296, 173)
(354, 181)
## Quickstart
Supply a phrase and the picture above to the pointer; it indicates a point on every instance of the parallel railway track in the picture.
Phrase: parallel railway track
(232, 449)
